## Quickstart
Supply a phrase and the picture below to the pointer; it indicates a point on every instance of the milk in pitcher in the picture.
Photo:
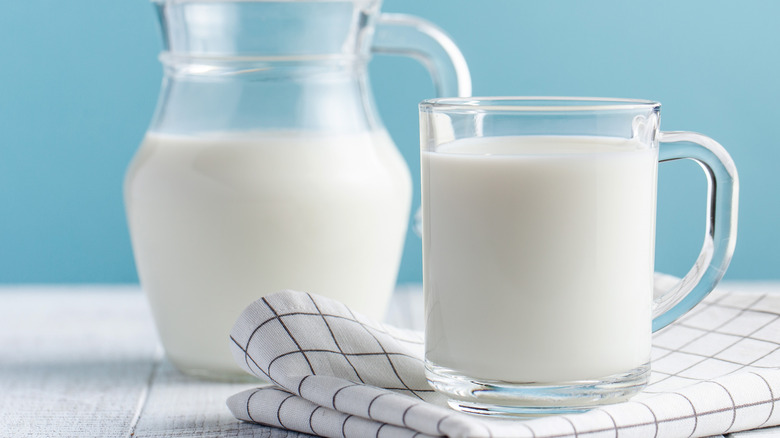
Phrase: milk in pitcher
(218, 221)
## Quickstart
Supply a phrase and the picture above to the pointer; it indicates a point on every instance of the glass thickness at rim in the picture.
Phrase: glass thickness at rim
(521, 104)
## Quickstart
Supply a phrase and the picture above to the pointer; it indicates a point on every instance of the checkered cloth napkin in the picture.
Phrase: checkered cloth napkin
(335, 373)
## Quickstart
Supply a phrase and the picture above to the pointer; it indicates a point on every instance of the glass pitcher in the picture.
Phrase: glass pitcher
(266, 166)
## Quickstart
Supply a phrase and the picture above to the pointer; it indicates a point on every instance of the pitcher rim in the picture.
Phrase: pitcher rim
(261, 1)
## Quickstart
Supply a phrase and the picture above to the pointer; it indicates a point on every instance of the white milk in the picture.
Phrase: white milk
(217, 223)
(538, 256)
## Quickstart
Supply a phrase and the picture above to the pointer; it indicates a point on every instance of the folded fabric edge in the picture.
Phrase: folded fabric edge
(271, 406)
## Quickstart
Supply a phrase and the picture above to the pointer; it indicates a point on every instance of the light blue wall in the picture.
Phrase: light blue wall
(78, 84)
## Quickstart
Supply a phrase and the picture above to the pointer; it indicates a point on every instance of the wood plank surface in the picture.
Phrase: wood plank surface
(84, 361)
(74, 362)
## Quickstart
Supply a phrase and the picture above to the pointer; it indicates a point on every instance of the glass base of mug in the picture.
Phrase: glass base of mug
(506, 399)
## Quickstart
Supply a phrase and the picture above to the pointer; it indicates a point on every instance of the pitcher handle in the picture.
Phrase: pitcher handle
(721, 226)
(407, 35)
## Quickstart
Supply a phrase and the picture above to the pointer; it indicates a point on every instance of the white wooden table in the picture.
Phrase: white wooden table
(84, 361)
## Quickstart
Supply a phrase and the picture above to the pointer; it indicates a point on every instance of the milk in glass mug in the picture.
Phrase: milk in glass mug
(539, 231)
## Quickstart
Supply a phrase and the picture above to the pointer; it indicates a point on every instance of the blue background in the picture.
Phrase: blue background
(79, 82)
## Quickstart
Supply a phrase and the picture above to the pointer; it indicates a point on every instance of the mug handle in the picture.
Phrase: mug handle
(720, 229)
(407, 35)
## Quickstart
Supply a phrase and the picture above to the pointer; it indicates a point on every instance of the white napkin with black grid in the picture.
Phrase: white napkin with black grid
(335, 373)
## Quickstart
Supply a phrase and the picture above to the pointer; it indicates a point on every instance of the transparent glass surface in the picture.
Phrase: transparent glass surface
(266, 166)
(538, 248)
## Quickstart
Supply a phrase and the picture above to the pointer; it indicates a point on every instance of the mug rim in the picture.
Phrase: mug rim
(536, 104)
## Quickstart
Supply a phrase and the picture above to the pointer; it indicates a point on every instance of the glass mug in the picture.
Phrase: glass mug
(538, 248)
